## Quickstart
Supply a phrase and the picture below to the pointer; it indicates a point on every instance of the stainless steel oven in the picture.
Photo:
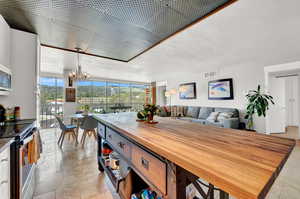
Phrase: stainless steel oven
(27, 170)
(23, 174)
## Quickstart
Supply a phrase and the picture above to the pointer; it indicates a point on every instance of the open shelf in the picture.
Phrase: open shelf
(127, 185)
(110, 172)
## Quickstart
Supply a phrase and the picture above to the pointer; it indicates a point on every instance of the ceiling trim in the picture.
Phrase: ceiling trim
(187, 26)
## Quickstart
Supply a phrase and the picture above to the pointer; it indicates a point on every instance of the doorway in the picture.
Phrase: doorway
(51, 100)
(283, 83)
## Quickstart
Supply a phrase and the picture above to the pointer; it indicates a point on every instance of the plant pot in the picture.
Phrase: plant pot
(150, 117)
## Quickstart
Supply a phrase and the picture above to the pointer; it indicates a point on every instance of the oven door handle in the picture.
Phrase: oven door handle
(27, 140)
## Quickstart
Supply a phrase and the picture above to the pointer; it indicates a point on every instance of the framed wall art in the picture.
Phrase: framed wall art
(187, 91)
(221, 89)
(70, 95)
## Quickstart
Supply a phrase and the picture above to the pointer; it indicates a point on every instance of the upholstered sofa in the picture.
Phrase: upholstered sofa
(220, 117)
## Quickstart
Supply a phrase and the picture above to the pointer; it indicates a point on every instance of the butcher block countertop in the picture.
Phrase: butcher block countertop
(241, 163)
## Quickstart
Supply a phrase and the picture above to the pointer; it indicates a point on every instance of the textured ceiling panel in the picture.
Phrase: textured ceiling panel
(117, 29)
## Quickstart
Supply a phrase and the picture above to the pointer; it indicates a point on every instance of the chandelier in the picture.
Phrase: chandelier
(78, 74)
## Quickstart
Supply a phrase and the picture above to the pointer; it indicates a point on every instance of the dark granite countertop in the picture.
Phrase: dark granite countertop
(4, 143)
(15, 129)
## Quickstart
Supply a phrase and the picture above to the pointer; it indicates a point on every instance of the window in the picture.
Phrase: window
(125, 94)
(99, 97)
(84, 92)
(113, 93)
(139, 95)
(107, 96)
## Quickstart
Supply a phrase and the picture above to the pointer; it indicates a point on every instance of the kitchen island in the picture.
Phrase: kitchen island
(172, 154)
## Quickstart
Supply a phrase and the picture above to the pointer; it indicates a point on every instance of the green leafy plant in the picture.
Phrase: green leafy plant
(151, 109)
(148, 112)
(142, 115)
(258, 103)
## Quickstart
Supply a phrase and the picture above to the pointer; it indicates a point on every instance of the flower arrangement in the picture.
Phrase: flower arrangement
(148, 112)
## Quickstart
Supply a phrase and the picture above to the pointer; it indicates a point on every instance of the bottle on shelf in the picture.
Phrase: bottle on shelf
(17, 113)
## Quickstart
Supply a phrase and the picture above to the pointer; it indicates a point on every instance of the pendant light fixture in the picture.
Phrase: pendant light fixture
(78, 74)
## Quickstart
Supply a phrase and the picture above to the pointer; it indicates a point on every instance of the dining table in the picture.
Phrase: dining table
(76, 119)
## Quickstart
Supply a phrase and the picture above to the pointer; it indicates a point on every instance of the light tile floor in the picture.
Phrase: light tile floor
(72, 173)
(291, 132)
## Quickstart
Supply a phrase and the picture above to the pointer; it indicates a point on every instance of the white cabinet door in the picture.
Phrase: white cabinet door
(5, 174)
(4, 43)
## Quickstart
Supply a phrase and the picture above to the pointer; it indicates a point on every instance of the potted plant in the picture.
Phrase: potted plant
(258, 103)
(148, 112)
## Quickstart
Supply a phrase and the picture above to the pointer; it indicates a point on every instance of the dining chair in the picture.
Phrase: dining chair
(65, 130)
(89, 124)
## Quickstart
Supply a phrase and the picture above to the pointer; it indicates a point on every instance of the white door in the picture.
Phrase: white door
(291, 89)
(277, 112)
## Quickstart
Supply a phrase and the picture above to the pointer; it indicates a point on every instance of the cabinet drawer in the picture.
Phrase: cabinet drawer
(121, 144)
(101, 130)
(150, 167)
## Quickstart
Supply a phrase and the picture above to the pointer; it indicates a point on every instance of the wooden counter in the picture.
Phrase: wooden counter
(241, 163)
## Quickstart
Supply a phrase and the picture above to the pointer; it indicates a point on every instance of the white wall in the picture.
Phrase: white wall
(69, 107)
(23, 62)
(244, 79)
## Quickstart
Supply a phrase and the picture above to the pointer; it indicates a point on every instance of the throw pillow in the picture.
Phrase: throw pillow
(223, 116)
(192, 112)
(213, 117)
(166, 109)
(205, 112)
(162, 112)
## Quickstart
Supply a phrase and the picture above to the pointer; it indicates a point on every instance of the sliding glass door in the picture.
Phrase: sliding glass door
(51, 100)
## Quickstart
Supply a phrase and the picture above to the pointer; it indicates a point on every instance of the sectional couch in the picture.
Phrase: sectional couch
(220, 117)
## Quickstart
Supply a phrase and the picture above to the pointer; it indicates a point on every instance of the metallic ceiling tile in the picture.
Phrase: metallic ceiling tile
(193, 9)
(117, 29)
(166, 22)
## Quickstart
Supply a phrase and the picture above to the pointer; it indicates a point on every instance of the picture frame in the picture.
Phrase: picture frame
(187, 91)
(221, 89)
(70, 95)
